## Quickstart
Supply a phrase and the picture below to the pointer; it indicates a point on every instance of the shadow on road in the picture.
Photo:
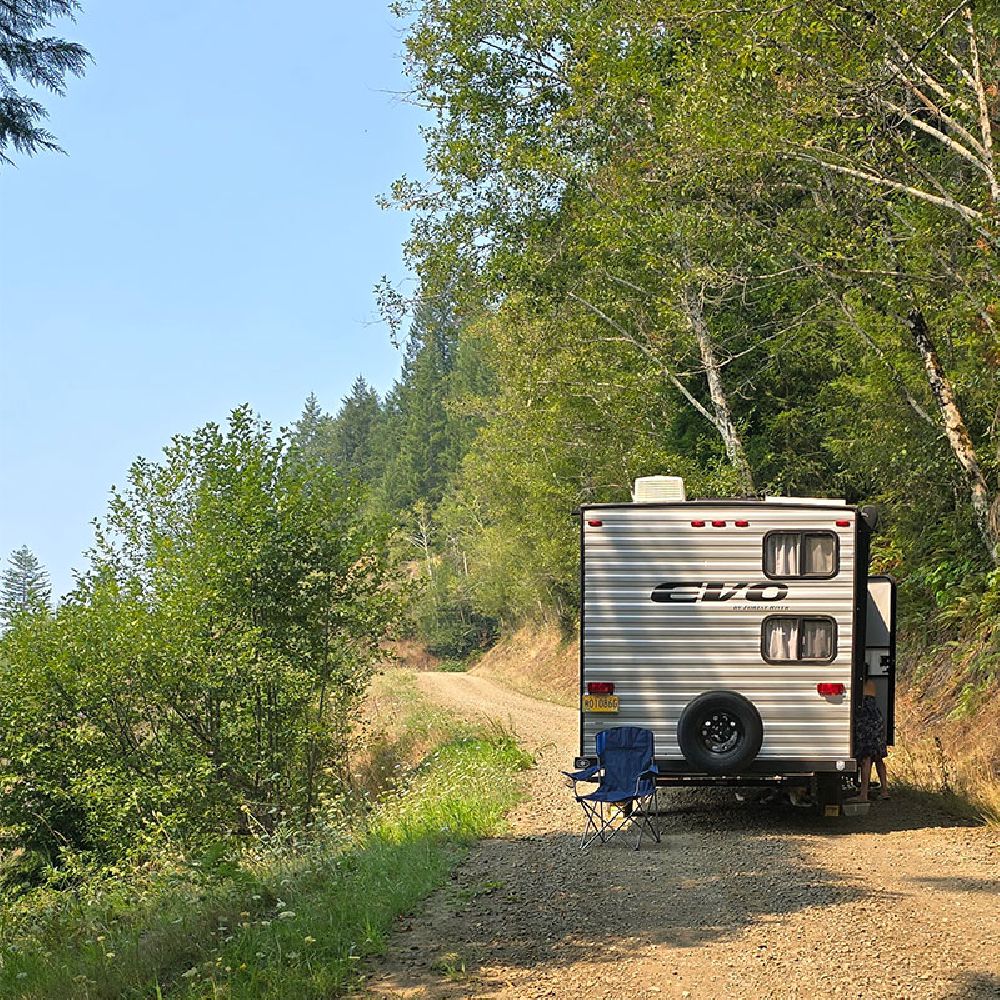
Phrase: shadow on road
(718, 809)
(975, 987)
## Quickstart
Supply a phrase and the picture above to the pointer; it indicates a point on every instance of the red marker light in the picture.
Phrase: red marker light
(742, 524)
(595, 524)
(697, 524)
(843, 524)
(830, 690)
(718, 524)
(600, 687)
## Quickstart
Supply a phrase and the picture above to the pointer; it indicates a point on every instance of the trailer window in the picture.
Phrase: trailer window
(789, 554)
(787, 639)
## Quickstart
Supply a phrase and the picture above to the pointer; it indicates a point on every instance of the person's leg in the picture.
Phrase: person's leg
(866, 776)
(883, 780)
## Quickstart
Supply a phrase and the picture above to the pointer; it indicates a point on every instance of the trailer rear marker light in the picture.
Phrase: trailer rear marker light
(843, 524)
(742, 524)
(595, 524)
(697, 524)
(830, 690)
(600, 687)
(718, 524)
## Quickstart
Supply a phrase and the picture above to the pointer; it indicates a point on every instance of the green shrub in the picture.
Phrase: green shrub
(292, 917)
(201, 678)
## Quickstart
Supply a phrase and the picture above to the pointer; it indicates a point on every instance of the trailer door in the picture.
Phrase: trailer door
(880, 647)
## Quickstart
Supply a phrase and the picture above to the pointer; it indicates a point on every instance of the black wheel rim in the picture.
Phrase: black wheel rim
(721, 732)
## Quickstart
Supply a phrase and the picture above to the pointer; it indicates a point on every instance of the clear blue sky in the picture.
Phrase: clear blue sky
(212, 238)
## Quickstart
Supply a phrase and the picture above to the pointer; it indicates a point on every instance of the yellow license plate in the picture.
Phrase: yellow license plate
(600, 703)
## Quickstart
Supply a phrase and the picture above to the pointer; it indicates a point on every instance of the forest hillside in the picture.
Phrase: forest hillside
(751, 246)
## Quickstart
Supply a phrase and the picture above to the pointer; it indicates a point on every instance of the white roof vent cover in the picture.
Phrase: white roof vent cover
(649, 489)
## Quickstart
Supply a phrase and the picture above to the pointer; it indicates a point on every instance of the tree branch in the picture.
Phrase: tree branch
(941, 137)
(984, 111)
(650, 355)
(945, 202)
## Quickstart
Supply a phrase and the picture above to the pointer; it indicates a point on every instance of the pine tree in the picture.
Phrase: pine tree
(357, 433)
(41, 62)
(425, 449)
(313, 433)
(24, 587)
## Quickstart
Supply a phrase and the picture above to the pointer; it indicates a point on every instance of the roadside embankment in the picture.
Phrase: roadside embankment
(292, 915)
(536, 660)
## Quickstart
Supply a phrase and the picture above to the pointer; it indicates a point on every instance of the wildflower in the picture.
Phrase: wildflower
(260, 954)
(265, 923)
(286, 915)
(193, 971)
(293, 954)
(109, 954)
(309, 939)
(101, 937)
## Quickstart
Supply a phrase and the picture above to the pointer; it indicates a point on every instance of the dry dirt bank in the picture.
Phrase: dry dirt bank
(737, 901)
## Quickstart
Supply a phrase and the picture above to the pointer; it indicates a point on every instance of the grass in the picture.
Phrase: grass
(294, 918)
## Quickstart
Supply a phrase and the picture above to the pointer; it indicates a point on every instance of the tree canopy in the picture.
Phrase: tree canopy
(27, 56)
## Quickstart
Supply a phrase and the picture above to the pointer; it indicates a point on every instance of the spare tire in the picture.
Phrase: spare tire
(720, 732)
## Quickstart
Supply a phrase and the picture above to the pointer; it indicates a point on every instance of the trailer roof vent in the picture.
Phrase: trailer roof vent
(649, 489)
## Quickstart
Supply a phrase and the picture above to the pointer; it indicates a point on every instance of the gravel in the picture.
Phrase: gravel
(739, 900)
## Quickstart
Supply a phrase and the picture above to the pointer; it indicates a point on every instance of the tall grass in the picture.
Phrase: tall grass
(293, 918)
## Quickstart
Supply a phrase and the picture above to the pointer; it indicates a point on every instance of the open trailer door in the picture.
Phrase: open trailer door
(880, 647)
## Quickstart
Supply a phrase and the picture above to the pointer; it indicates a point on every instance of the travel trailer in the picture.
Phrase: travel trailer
(740, 631)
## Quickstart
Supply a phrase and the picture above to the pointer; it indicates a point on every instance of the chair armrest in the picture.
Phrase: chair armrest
(651, 772)
(587, 774)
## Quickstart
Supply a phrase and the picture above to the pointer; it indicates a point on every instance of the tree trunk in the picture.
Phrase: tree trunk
(723, 417)
(957, 432)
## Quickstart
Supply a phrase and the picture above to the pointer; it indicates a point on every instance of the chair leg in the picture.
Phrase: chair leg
(596, 823)
(643, 817)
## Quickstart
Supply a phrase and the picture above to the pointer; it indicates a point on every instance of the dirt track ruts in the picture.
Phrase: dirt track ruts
(740, 900)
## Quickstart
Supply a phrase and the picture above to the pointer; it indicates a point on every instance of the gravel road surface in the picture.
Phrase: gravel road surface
(739, 900)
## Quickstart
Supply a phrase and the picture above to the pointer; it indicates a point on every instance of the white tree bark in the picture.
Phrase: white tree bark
(957, 433)
(723, 417)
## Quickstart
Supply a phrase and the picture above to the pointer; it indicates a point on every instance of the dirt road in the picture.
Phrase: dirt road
(739, 900)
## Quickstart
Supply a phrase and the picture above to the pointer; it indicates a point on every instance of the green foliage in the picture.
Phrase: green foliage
(291, 918)
(41, 61)
(613, 187)
(203, 675)
(24, 587)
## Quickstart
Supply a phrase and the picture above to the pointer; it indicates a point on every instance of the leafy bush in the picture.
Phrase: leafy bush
(290, 918)
(202, 676)
(457, 630)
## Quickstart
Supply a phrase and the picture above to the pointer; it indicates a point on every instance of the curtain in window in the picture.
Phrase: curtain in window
(821, 555)
(780, 640)
(817, 639)
(782, 555)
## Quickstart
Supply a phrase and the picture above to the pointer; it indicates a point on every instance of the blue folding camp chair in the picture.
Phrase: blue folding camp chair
(625, 774)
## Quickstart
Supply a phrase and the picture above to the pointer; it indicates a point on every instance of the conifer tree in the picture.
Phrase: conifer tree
(40, 61)
(357, 444)
(24, 587)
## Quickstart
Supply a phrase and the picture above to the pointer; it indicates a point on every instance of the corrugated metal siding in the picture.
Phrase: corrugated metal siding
(661, 655)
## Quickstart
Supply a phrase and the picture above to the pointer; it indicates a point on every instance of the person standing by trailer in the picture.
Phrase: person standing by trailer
(870, 742)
